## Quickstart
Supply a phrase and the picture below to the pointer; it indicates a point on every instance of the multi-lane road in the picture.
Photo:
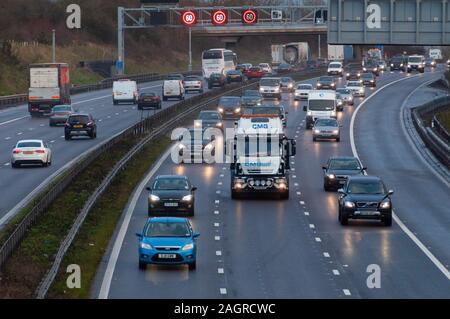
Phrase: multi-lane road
(16, 124)
(297, 248)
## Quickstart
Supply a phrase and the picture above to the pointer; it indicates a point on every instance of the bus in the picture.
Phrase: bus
(218, 61)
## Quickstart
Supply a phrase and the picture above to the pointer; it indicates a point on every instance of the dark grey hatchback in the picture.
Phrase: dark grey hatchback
(171, 194)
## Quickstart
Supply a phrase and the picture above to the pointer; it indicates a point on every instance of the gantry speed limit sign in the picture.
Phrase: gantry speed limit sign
(189, 18)
(249, 16)
(219, 17)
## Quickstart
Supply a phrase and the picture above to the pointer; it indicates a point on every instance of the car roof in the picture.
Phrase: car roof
(167, 220)
(364, 178)
(171, 176)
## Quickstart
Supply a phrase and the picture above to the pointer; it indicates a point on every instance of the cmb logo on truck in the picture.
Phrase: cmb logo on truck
(373, 21)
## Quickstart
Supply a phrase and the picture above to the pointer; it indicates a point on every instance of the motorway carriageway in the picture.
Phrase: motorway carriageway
(258, 248)
(16, 124)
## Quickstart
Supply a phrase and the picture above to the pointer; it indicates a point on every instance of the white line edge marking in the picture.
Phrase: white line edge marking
(346, 292)
(403, 227)
(107, 278)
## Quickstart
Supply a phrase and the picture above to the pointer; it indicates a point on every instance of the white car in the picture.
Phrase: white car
(302, 91)
(173, 89)
(335, 68)
(265, 67)
(125, 91)
(31, 152)
(357, 88)
(193, 83)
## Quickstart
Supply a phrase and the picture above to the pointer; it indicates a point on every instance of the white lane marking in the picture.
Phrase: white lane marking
(306, 213)
(221, 175)
(216, 212)
(216, 224)
(52, 141)
(219, 183)
(405, 229)
(7, 138)
(296, 184)
(14, 120)
(107, 278)
(312, 226)
(217, 192)
(318, 239)
(6, 164)
(220, 270)
(216, 201)
(223, 291)
(19, 133)
(326, 255)
(346, 292)
(216, 237)
(336, 272)
(41, 124)
(294, 176)
(302, 202)
(218, 253)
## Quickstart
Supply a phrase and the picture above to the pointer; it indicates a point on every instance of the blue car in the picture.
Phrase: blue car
(167, 241)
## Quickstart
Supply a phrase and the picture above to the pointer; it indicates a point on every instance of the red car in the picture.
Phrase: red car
(255, 73)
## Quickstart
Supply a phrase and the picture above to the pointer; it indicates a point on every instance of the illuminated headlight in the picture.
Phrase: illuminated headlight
(261, 90)
(181, 146)
(197, 123)
(319, 84)
(290, 85)
(251, 183)
(187, 198)
(333, 113)
(309, 113)
(433, 63)
(331, 176)
(359, 74)
(280, 180)
(349, 204)
(317, 131)
(392, 64)
(219, 124)
(335, 131)
(348, 74)
(277, 89)
(332, 84)
(361, 90)
(220, 109)
(188, 246)
(375, 69)
(350, 98)
(339, 102)
(401, 64)
(409, 65)
(269, 183)
(386, 204)
(237, 110)
(154, 198)
(282, 185)
(146, 246)
(372, 81)
(364, 69)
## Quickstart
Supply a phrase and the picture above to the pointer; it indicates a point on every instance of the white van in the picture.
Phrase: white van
(321, 104)
(125, 90)
(172, 89)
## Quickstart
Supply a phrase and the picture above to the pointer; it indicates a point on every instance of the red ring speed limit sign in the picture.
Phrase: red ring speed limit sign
(249, 16)
(219, 17)
(189, 18)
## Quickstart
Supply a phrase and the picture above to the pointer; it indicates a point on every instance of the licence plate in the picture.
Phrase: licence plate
(78, 126)
(367, 213)
(171, 204)
(167, 256)
(28, 152)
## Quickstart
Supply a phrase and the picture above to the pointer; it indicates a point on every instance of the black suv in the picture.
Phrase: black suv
(365, 197)
(338, 169)
(353, 74)
(80, 125)
(369, 79)
(398, 63)
(372, 66)
(326, 82)
(216, 79)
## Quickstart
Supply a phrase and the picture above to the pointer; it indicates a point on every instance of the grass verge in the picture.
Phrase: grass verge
(23, 272)
(444, 119)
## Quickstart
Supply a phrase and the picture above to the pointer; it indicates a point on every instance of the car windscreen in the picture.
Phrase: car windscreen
(29, 144)
(357, 187)
(147, 94)
(229, 101)
(266, 110)
(209, 116)
(304, 87)
(285, 80)
(344, 164)
(192, 78)
(326, 79)
(167, 229)
(335, 65)
(83, 119)
(321, 105)
(326, 122)
(212, 55)
(343, 91)
(367, 76)
(415, 59)
(251, 93)
(269, 82)
(171, 184)
(61, 108)
(234, 72)
(255, 69)
(354, 84)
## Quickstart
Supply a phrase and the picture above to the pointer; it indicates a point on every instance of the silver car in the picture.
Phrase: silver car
(346, 94)
(60, 114)
(31, 152)
(326, 128)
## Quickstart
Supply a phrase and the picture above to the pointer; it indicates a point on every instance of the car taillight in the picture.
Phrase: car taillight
(90, 123)
(17, 151)
(67, 124)
(40, 151)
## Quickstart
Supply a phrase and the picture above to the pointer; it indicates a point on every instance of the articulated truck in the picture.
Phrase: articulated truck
(290, 53)
(49, 86)
(260, 153)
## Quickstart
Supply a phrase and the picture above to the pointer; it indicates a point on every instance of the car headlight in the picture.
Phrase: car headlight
(220, 109)
(375, 69)
(237, 110)
(331, 176)
(146, 246)
(290, 85)
(188, 246)
(372, 81)
(385, 204)
(349, 204)
(350, 98)
(219, 124)
(309, 113)
(335, 131)
(261, 90)
(361, 90)
(401, 64)
(359, 74)
(317, 131)
(187, 198)
(333, 113)
(181, 146)
(332, 84)
(392, 64)
(348, 74)
(197, 124)
(364, 69)
(319, 84)
(154, 198)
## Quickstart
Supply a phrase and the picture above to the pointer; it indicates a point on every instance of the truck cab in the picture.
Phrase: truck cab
(321, 104)
(260, 153)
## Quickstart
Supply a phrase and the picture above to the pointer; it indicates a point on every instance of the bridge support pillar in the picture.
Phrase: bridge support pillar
(358, 52)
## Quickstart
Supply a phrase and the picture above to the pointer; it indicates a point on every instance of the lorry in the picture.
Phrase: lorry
(260, 153)
(335, 52)
(291, 53)
(435, 54)
(49, 86)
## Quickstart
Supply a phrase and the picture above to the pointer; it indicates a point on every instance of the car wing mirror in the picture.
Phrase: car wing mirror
(390, 192)
(139, 235)
(196, 235)
(148, 188)
(324, 168)
(193, 188)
